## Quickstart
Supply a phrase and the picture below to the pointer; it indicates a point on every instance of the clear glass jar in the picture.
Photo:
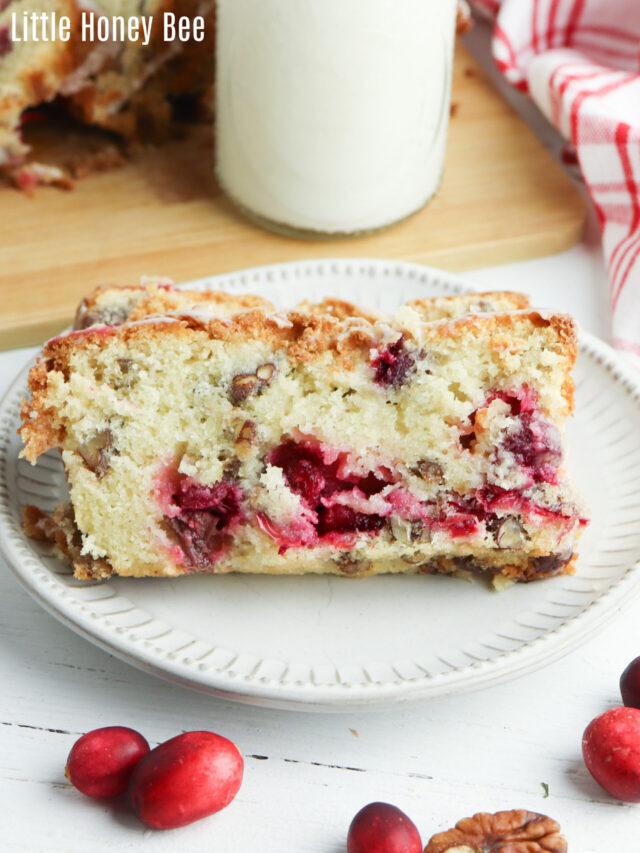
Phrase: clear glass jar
(332, 115)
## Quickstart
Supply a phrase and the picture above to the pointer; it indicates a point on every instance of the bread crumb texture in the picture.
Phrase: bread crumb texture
(319, 440)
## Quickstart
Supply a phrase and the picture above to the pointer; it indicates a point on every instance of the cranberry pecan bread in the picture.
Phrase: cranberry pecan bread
(307, 442)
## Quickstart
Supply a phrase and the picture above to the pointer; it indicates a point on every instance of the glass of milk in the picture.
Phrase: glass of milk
(332, 115)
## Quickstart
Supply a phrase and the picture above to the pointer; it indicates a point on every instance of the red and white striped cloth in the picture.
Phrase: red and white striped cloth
(580, 61)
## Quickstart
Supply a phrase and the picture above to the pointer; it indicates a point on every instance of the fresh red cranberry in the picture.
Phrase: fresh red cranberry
(497, 500)
(468, 506)
(534, 441)
(373, 483)
(489, 496)
(535, 444)
(458, 525)
(305, 472)
(223, 497)
(611, 750)
(383, 828)
(6, 45)
(519, 442)
(343, 519)
(101, 762)
(26, 180)
(305, 479)
(630, 684)
(208, 514)
(393, 364)
(308, 475)
(461, 517)
(185, 779)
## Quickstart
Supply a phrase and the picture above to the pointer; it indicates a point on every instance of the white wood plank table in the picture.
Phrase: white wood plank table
(307, 774)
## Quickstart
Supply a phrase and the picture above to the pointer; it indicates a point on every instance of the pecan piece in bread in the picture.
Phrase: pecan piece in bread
(516, 831)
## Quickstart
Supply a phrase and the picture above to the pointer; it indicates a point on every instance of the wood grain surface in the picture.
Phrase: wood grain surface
(503, 198)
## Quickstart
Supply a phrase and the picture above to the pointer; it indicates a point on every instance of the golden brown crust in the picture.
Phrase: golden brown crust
(166, 301)
(519, 300)
(341, 309)
(516, 831)
(486, 302)
(40, 430)
(116, 304)
(160, 298)
(304, 335)
(92, 298)
(88, 311)
(567, 332)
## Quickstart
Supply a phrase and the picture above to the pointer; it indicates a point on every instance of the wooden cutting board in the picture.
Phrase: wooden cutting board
(503, 199)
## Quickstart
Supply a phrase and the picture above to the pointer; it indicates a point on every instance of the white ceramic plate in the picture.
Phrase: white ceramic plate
(331, 643)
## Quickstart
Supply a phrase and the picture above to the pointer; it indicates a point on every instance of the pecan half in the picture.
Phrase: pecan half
(95, 452)
(400, 529)
(510, 534)
(265, 372)
(247, 433)
(516, 831)
(408, 533)
(429, 470)
(246, 440)
(243, 385)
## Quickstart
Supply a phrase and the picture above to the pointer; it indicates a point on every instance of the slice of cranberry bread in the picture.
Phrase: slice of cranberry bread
(300, 442)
